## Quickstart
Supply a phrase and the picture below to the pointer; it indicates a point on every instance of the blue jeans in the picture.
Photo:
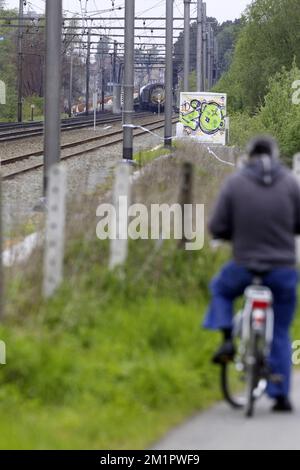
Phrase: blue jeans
(231, 283)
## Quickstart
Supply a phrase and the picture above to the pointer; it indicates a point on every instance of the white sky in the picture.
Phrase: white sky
(221, 9)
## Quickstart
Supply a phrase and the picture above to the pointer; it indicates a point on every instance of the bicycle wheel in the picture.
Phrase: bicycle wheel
(233, 384)
(252, 374)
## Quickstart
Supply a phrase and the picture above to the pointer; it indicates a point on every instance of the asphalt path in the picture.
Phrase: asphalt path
(221, 428)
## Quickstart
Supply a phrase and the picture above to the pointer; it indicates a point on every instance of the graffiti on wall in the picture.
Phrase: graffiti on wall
(203, 116)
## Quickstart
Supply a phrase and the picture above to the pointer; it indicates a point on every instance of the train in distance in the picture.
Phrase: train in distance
(150, 97)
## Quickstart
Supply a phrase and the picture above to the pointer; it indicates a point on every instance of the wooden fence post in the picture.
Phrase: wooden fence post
(186, 200)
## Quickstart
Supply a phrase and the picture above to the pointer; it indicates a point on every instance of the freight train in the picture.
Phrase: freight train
(152, 97)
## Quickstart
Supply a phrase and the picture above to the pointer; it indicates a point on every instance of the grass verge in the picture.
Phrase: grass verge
(114, 360)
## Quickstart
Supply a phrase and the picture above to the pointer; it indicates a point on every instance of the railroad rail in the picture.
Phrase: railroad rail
(16, 131)
(80, 147)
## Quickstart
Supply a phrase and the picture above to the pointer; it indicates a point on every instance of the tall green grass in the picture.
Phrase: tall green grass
(109, 363)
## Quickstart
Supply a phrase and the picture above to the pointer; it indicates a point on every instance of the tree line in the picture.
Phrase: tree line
(264, 73)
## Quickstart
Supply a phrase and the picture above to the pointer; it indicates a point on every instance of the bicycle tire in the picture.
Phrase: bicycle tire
(251, 376)
(227, 393)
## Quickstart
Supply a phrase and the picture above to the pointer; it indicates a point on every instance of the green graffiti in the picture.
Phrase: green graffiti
(209, 117)
(212, 119)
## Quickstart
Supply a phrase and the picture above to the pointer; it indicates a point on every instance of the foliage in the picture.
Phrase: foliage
(112, 361)
(38, 103)
(144, 157)
(244, 127)
(278, 116)
(226, 35)
(33, 49)
(8, 68)
(268, 41)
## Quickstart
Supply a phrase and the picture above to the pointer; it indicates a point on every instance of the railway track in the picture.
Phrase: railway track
(16, 131)
(81, 147)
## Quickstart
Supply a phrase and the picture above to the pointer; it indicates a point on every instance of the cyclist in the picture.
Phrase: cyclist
(258, 210)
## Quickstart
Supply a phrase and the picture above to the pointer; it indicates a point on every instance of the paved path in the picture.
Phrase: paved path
(221, 428)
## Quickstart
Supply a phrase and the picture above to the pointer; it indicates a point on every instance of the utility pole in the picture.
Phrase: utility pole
(199, 46)
(115, 61)
(216, 60)
(71, 85)
(102, 78)
(128, 80)
(187, 16)
(169, 73)
(209, 56)
(20, 61)
(52, 86)
(212, 55)
(88, 60)
(117, 86)
(204, 54)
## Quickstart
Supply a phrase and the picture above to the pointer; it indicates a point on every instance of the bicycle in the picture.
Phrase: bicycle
(253, 333)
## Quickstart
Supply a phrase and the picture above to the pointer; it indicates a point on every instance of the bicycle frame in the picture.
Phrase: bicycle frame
(258, 314)
(257, 320)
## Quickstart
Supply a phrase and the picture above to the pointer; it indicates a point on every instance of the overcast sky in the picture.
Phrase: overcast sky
(221, 9)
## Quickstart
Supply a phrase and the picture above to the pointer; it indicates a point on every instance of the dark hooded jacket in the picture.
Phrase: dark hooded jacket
(258, 210)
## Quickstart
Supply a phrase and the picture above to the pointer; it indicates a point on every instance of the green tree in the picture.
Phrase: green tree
(269, 40)
(8, 66)
(279, 115)
(226, 37)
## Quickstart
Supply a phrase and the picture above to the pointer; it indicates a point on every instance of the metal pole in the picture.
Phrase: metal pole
(88, 58)
(128, 79)
(204, 48)
(209, 61)
(102, 79)
(169, 73)
(71, 85)
(20, 61)
(115, 61)
(53, 86)
(212, 55)
(216, 60)
(199, 46)
(111, 74)
(187, 15)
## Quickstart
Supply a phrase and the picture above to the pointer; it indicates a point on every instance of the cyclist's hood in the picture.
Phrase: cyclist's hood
(262, 163)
